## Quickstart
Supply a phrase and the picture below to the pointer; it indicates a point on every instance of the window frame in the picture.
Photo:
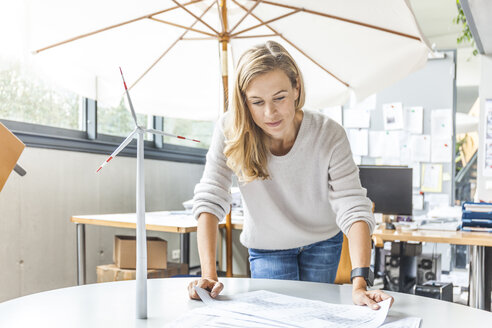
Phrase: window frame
(90, 141)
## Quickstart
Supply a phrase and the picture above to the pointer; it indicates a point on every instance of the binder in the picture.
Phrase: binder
(476, 217)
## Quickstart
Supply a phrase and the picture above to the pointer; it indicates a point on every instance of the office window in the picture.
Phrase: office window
(118, 120)
(25, 97)
(200, 130)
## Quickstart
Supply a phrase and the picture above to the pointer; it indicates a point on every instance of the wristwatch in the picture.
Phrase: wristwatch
(366, 273)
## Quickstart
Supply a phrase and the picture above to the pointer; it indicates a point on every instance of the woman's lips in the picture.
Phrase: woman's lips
(274, 124)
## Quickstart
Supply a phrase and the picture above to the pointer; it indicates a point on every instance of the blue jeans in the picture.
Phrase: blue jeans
(316, 262)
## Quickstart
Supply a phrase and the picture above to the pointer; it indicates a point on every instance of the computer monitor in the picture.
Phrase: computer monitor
(388, 187)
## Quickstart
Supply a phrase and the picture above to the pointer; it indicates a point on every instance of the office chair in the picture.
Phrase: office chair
(345, 265)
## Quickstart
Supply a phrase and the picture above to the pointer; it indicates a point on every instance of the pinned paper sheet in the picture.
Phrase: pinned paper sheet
(405, 151)
(442, 122)
(414, 119)
(441, 149)
(335, 113)
(393, 116)
(437, 200)
(431, 178)
(359, 141)
(418, 201)
(392, 144)
(355, 118)
(376, 143)
(415, 174)
(420, 146)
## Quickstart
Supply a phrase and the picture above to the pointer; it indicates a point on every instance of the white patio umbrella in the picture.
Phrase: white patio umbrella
(176, 53)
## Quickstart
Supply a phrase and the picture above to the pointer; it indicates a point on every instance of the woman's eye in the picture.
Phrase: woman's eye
(258, 103)
(280, 98)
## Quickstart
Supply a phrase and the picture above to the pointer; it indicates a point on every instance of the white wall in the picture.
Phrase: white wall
(37, 239)
(484, 189)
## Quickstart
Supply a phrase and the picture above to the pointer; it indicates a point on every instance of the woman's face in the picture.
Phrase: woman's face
(271, 100)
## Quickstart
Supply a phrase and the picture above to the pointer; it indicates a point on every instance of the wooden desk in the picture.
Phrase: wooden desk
(165, 221)
(434, 236)
(113, 304)
(478, 295)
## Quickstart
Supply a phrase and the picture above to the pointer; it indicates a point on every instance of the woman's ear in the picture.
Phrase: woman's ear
(297, 88)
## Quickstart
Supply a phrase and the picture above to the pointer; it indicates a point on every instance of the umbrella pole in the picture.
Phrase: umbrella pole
(141, 294)
(224, 42)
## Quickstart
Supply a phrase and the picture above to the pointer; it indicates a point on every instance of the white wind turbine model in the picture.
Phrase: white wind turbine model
(141, 294)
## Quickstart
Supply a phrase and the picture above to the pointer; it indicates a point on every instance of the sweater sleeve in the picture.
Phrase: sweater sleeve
(347, 197)
(212, 192)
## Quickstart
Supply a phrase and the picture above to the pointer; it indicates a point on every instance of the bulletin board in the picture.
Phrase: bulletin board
(433, 88)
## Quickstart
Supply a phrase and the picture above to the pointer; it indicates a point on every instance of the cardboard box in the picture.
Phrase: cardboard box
(125, 249)
(110, 272)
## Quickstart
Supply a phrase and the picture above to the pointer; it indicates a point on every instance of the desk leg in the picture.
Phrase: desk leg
(488, 277)
(80, 253)
(184, 239)
(476, 294)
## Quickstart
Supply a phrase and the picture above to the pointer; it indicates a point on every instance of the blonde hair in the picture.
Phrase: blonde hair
(246, 147)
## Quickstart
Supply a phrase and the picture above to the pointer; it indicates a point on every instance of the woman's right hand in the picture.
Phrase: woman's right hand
(211, 285)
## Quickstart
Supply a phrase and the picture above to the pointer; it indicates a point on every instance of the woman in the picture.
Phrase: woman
(296, 174)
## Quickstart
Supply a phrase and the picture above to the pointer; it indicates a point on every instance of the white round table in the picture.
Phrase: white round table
(113, 304)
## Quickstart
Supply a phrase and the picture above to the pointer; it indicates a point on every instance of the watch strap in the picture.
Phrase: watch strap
(365, 273)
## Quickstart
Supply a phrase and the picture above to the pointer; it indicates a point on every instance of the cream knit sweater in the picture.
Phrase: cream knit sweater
(313, 192)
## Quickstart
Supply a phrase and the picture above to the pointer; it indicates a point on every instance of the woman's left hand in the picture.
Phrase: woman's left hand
(361, 296)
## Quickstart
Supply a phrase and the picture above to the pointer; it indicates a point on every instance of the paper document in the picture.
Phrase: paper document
(442, 122)
(405, 151)
(267, 309)
(415, 174)
(414, 119)
(359, 141)
(418, 202)
(441, 149)
(392, 145)
(356, 118)
(431, 178)
(393, 116)
(420, 146)
(376, 143)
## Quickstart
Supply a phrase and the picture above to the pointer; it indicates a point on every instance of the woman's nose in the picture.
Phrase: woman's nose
(270, 109)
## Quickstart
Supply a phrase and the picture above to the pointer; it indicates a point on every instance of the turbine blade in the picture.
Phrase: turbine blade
(117, 151)
(134, 115)
(169, 134)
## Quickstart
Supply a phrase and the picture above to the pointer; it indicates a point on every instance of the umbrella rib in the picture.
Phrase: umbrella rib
(255, 36)
(220, 15)
(264, 23)
(342, 19)
(292, 44)
(245, 15)
(196, 17)
(170, 47)
(110, 27)
(182, 26)
(199, 39)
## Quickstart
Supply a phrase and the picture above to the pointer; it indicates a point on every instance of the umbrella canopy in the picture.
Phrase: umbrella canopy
(176, 53)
